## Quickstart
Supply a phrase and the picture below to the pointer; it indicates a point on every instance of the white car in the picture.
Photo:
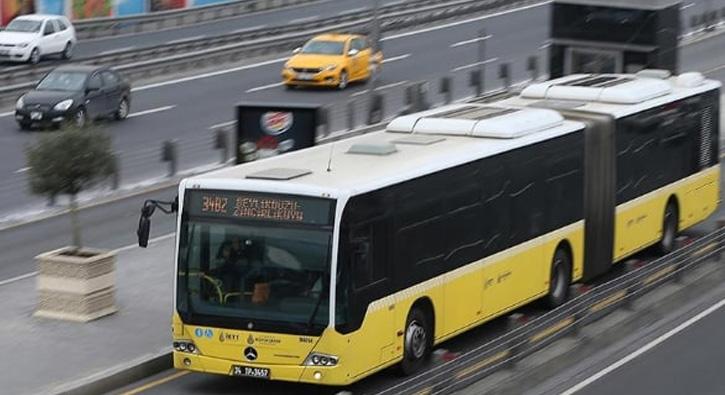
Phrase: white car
(31, 37)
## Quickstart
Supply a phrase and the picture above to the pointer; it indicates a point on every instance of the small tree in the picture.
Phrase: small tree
(67, 163)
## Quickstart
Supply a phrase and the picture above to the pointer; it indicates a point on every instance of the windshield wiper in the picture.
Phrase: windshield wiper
(311, 320)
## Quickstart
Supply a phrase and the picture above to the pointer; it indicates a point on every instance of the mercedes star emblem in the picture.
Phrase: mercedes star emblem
(250, 353)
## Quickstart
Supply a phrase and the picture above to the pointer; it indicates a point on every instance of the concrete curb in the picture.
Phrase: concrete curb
(615, 326)
(120, 376)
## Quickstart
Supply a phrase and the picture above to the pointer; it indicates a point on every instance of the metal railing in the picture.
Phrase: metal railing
(510, 348)
(174, 57)
(104, 27)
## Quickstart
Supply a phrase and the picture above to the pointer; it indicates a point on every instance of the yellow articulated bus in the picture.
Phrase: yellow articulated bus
(328, 264)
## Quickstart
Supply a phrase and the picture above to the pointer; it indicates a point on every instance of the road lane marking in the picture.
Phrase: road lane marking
(156, 383)
(6, 114)
(18, 278)
(222, 124)
(210, 74)
(472, 65)
(151, 241)
(116, 251)
(463, 22)
(352, 11)
(644, 349)
(396, 58)
(380, 88)
(151, 111)
(263, 87)
(305, 19)
(112, 51)
(280, 60)
(471, 41)
(22, 170)
(718, 68)
(181, 40)
(247, 29)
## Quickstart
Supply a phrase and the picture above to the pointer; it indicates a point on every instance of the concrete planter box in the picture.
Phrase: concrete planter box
(76, 286)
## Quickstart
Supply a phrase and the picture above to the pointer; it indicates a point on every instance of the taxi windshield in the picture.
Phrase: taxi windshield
(319, 47)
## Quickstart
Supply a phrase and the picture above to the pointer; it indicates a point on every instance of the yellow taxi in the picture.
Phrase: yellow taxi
(332, 60)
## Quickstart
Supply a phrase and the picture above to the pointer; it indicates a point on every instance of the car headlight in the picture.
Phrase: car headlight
(318, 359)
(20, 103)
(330, 67)
(64, 105)
(23, 45)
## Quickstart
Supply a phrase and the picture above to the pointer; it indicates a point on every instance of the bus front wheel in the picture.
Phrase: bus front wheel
(417, 341)
(669, 229)
(560, 279)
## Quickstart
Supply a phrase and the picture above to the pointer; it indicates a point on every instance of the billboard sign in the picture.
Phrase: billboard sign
(269, 129)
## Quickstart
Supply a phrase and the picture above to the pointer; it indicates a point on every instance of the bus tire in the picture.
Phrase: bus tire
(416, 341)
(669, 229)
(560, 279)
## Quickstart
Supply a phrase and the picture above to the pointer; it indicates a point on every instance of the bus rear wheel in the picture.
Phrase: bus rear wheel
(559, 280)
(669, 229)
(416, 342)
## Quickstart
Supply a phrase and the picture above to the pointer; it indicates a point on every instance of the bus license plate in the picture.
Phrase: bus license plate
(248, 371)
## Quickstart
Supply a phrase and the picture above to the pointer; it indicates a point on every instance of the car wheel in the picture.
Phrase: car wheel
(68, 51)
(80, 118)
(35, 56)
(123, 109)
(416, 342)
(25, 126)
(342, 84)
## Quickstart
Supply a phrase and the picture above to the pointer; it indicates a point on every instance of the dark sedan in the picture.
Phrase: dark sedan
(74, 94)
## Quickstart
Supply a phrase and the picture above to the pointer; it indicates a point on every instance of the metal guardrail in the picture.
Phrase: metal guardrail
(105, 27)
(16, 75)
(166, 58)
(510, 348)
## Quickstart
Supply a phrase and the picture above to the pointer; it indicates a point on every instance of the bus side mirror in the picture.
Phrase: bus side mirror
(144, 228)
(144, 225)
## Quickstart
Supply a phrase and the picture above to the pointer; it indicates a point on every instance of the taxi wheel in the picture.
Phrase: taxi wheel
(343, 80)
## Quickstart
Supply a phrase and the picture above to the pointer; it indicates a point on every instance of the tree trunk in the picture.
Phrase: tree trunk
(74, 222)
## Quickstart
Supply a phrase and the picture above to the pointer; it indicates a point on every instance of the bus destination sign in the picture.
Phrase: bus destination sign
(262, 207)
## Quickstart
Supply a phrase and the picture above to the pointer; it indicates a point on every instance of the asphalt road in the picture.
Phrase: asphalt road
(271, 18)
(689, 362)
(185, 110)
(680, 354)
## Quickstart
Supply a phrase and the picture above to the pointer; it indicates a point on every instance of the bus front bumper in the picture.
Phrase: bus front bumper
(295, 373)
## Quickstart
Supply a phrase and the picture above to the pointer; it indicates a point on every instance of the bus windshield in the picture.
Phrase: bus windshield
(251, 274)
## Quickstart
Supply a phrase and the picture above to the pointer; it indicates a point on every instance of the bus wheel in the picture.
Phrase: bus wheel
(417, 341)
(669, 229)
(560, 279)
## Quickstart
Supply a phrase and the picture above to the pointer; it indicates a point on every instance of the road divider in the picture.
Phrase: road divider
(159, 59)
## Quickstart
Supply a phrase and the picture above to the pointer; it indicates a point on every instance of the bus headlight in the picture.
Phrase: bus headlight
(318, 359)
(186, 346)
